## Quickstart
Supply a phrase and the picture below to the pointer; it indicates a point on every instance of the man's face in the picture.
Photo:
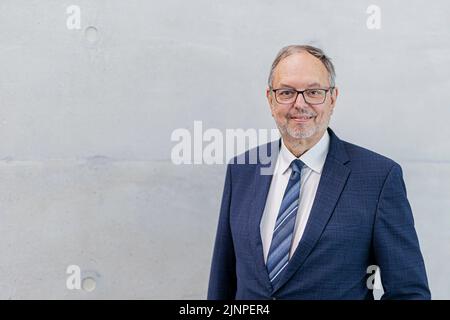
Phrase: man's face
(300, 120)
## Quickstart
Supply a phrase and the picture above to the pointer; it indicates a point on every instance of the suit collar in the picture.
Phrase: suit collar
(337, 148)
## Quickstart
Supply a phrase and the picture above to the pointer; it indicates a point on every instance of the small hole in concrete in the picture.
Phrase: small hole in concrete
(91, 34)
(88, 284)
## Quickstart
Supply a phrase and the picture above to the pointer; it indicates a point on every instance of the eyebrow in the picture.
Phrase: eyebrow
(311, 85)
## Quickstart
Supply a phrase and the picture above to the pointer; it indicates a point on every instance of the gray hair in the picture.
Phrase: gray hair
(316, 52)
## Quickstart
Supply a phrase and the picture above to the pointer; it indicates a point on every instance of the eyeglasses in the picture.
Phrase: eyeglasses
(311, 96)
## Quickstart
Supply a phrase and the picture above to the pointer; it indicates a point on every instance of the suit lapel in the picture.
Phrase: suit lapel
(261, 184)
(333, 179)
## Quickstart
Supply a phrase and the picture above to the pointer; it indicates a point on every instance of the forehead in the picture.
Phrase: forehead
(300, 70)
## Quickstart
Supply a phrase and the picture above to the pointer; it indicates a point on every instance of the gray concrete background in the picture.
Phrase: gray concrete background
(86, 119)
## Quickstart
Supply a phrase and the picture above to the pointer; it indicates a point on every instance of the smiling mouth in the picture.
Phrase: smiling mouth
(302, 119)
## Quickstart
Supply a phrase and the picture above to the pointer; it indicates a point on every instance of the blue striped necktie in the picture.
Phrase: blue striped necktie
(278, 257)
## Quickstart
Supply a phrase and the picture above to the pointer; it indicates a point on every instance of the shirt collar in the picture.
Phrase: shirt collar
(314, 158)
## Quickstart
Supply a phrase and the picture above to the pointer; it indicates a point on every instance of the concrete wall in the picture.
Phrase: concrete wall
(86, 118)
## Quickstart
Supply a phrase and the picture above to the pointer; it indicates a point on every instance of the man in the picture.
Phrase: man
(327, 212)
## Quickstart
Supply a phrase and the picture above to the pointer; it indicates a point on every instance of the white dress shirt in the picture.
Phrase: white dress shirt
(314, 160)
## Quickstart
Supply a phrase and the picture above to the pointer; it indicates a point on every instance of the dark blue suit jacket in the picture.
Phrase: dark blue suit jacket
(360, 217)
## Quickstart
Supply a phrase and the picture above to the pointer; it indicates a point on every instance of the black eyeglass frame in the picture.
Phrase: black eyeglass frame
(302, 93)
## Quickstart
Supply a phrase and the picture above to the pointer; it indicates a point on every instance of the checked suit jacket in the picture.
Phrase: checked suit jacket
(360, 217)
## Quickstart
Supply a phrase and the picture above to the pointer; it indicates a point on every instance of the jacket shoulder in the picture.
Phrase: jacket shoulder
(363, 157)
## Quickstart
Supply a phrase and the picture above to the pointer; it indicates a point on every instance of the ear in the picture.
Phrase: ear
(334, 95)
(270, 99)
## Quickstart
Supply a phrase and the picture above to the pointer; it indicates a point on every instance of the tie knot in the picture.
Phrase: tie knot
(297, 165)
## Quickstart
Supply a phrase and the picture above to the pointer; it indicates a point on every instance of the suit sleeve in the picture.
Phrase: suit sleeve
(396, 245)
(222, 280)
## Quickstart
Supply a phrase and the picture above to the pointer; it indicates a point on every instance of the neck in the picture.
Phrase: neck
(299, 146)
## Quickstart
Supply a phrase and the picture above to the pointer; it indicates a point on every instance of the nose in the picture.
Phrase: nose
(300, 101)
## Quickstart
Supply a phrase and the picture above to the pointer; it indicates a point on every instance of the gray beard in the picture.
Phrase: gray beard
(302, 133)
